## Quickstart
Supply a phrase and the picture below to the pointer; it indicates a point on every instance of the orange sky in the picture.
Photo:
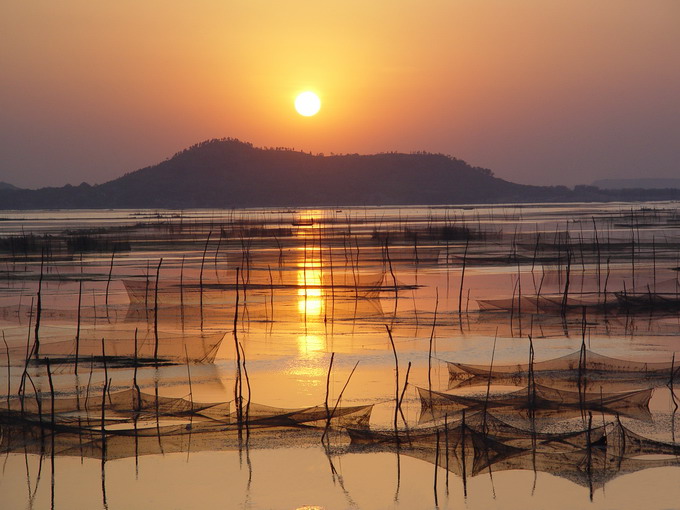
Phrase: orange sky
(539, 91)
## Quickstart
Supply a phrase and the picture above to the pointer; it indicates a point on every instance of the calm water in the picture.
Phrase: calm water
(312, 284)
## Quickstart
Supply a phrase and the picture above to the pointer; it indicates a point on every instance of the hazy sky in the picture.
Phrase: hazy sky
(540, 91)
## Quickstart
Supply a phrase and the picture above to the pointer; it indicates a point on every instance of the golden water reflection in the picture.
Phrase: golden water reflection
(308, 344)
(310, 273)
(311, 293)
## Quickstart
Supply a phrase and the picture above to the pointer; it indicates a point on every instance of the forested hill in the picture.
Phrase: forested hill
(230, 173)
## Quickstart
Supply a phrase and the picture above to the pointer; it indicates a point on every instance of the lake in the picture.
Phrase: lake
(505, 356)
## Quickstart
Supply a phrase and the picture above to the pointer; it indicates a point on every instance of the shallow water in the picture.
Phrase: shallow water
(315, 282)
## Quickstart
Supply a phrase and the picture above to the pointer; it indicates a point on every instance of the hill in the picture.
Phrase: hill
(231, 173)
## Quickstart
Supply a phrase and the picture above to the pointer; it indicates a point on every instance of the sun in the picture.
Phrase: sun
(307, 104)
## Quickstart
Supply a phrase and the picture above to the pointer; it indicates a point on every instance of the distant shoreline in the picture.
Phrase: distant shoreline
(229, 173)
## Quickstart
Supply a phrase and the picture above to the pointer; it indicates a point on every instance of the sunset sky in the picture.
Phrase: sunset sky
(540, 91)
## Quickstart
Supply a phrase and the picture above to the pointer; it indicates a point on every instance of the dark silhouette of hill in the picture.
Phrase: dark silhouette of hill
(230, 173)
(7, 185)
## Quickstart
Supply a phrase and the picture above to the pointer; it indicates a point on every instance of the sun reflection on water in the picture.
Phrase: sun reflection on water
(311, 294)
(308, 344)
(310, 276)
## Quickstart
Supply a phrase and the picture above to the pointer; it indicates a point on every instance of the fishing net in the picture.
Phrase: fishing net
(482, 443)
(537, 399)
(587, 361)
(118, 347)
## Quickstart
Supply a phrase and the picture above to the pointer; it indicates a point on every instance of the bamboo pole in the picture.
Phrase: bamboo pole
(9, 370)
(155, 311)
(191, 392)
(597, 246)
(337, 402)
(38, 310)
(401, 397)
(429, 354)
(200, 276)
(22, 384)
(436, 469)
(103, 405)
(396, 396)
(462, 277)
(80, 299)
(108, 281)
(134, 377)
(565, 295)
(245, 373)
(328, 389)
(238, 387)
(49, 378)
(446, 451)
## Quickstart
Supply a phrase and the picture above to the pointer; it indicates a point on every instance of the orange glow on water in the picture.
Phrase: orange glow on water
(309, 344)
(311, 294)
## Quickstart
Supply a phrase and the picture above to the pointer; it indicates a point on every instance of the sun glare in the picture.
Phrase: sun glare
(307, 104)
